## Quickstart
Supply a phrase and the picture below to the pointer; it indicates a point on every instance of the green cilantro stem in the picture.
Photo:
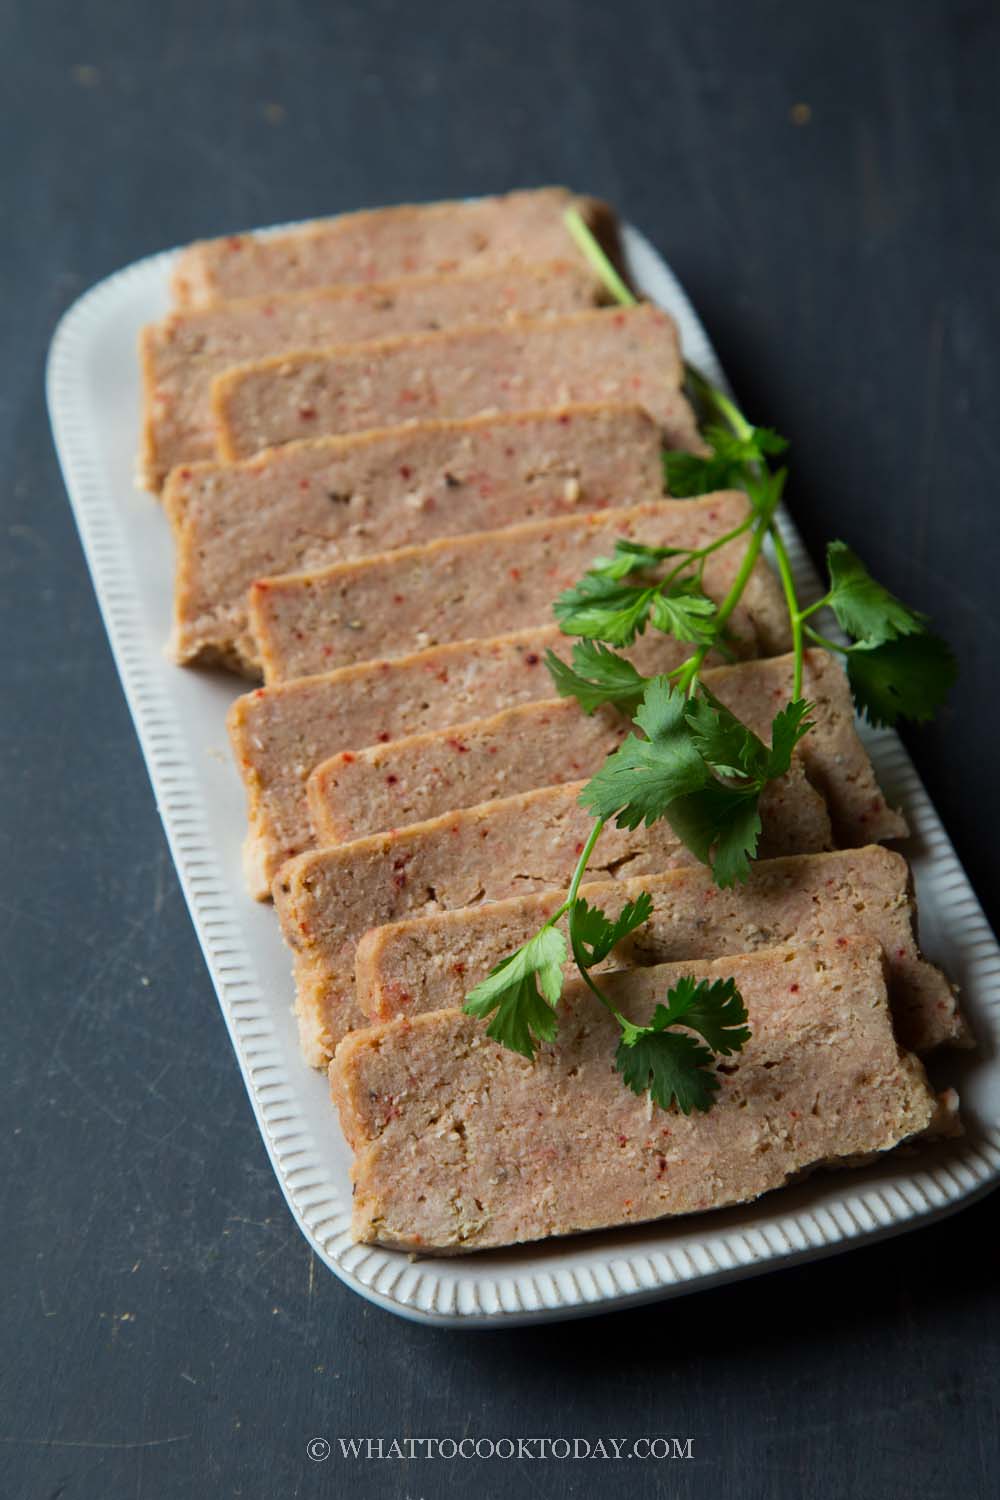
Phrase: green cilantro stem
(825, 642)
(584, 968)
(582, 862)
(600, 262)
(699, 554)
(710, 396)
(689, 670)
(794, 613)
(569, 904)
(578, 874)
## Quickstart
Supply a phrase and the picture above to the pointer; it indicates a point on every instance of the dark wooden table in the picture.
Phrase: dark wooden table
(824, 180)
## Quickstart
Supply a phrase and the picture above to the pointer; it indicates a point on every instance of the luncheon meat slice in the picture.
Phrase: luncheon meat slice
(311, 504)
(181, 355)
(494, 582)
(543, 743)
(381, 244)
(422, 776)
(279, 734)
(628, 354)
(462, 1144)
(326, 899)
(431, 963)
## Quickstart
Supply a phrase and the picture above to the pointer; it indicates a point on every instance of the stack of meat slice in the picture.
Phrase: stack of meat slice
(385, 444)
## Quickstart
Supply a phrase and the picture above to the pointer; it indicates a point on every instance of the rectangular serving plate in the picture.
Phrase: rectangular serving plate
(94, 400)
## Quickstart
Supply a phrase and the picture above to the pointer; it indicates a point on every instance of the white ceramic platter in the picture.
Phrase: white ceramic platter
(93, 394)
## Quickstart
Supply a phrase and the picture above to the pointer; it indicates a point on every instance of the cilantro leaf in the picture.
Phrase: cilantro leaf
(523, 989)
(641, 779)
(603, 609)
(729, 746)
(908, 678)
(721, 826)
(673, 1065)
(685, 613)
(670, 1065)
(662, 710)
(714, 1009)
(598, 675)
(726, 467)
(603, 606)
(593, 932)
(863, 607)
(632, 557)
(791, 724)
(744, 452)
(687, 474)
(767, 441)
(732, 749)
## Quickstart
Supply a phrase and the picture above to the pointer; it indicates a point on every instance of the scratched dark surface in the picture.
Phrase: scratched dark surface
(823, 179)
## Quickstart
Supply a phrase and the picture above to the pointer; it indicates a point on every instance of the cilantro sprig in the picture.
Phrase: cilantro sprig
(692, 762)
(673, 1057)
(701, 769)
(613, 602)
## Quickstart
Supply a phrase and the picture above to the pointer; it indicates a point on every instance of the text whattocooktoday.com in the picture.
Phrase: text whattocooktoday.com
(373, 1448)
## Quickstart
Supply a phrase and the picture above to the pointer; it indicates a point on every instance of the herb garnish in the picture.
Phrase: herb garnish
(693, 762)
